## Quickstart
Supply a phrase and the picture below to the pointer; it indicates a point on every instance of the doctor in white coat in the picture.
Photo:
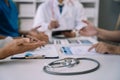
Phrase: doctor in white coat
(54, 15)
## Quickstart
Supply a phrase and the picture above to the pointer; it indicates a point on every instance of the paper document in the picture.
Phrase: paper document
(72, 41)
(48, 51)
(77, 50)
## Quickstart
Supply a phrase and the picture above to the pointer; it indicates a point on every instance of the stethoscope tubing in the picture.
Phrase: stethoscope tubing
(74, 73)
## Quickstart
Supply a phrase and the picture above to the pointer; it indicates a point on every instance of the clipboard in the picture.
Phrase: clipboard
(59, 35)
(46, 52)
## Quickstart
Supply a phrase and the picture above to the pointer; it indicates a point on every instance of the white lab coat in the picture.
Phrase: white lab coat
(70, 18)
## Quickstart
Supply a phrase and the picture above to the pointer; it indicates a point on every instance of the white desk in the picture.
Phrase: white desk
(33, 69)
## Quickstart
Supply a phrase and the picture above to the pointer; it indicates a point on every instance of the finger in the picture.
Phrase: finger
(56, 23)
(35, 44)
(85, 21)
(32, 39)
(22, 41)
(56, 26)
(89, 24)
(105, 51)
(30, 46)
(83, 33)
(42, 33)
(45, 39)
(42, 43)
(83, 29)
(36, 28)
(99, 48)
(93, 46)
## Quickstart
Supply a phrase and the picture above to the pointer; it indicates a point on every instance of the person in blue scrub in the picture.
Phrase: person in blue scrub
(9, 22)
(8, 19)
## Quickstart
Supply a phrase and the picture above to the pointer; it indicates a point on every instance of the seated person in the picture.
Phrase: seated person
(58, 15)
(18, 46)
(9, 22)
(102, 47)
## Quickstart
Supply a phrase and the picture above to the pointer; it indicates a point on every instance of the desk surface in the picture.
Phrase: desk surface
(33, 69)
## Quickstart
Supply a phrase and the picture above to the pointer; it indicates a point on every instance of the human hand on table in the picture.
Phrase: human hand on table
(103, 48)
(18, 46)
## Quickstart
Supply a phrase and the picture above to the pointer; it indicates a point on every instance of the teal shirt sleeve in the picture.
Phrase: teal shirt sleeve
(8, 19)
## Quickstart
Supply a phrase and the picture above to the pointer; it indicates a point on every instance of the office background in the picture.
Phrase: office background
(108, 13)
(105, 12)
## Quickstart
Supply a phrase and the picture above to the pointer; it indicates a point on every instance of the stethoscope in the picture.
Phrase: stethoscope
(69, 63)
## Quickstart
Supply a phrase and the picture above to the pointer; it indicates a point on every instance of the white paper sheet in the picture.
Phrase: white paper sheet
(77, 50)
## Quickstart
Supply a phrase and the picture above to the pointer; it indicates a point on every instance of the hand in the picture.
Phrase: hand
(102, 47)
(53, 24)
(42, 36)
(69, 34)
(39, 35)
(89, 30)
(19, 46)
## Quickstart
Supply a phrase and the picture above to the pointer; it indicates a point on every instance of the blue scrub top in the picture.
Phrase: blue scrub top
(8, 19)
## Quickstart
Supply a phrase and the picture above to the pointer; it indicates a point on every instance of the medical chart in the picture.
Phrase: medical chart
(77, 50)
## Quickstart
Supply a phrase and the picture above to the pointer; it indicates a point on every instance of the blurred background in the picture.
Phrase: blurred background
(103, 13)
